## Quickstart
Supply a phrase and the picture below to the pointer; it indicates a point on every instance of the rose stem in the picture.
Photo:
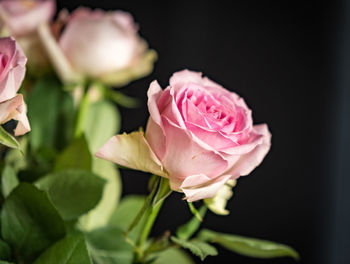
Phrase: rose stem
(152, 213)
(82, 113)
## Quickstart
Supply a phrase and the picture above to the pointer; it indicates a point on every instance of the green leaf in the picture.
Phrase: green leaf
(122, 99)
(199, 248)
(76, 156)
(73, 192)
(7, 139)
(173, 255)
(29, 222)
(9, 180)
(246, 246)
(102, 122)
(187, 230)
(126, 212)
(163, 191)
(69, 250)
(100, 215)
(43, 109)
(5, 251)
(5, 262)
(17, 157)
(108, 245)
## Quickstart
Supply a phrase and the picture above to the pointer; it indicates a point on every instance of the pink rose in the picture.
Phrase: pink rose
(12, 71)
(22, 17)
(199, 135)
(100, 45)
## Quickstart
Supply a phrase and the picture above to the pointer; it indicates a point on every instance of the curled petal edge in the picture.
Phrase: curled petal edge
(200, 186)
(15, 108)
(248, 162)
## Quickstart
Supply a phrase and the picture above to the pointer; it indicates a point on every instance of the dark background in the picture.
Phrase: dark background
(290, 61)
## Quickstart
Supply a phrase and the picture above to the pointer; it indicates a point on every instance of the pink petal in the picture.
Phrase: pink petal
(155, 137)
(184, 157)
(125, 20)
(154, 93)
(23, 123)
(248, 162)
(15, 109)
(181, 78)
(12, 75)
(167, 107)
(213, 138)
(27, 20)
(200, 186)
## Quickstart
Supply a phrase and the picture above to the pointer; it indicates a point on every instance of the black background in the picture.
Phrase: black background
(281, 57)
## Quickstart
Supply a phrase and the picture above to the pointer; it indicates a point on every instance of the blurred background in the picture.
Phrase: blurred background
(290, 60)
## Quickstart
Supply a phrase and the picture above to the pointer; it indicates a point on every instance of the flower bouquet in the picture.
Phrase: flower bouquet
(60, 158)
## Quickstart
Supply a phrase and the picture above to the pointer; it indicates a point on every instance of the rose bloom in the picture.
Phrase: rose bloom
(21, 19)
(12, 71)
(199, 136)
(100, 45)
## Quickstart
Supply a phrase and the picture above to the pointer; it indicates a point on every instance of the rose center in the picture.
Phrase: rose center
(217, 115)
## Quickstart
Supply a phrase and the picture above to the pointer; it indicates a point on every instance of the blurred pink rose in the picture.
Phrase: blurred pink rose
(99, 45)
(96, 42)
(199, 135)
(22, 17)
(12, 71)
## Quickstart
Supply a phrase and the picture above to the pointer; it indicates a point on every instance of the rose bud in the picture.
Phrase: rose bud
(199, 135)
(21, 19)
(12, 71)
(99, 45)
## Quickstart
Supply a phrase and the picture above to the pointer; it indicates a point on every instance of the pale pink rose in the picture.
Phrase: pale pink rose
(98, 42)
(199, 135)
(22, 17)
(12, 71)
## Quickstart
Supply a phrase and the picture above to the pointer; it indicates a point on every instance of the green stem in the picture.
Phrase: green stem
(160, 191)
(82, 114)
(152, 213)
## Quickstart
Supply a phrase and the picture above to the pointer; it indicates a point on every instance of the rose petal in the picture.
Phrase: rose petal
(15, 109)
(248, 162)
(12, 75)
(213, 138)
(167, 107)
(25, 21)
(154, 93)
(200, 186)
(125, 20)
(179, 79)
(97, 44)
(155, 137)
(139, 68)
(132, 151)
(184, 157)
